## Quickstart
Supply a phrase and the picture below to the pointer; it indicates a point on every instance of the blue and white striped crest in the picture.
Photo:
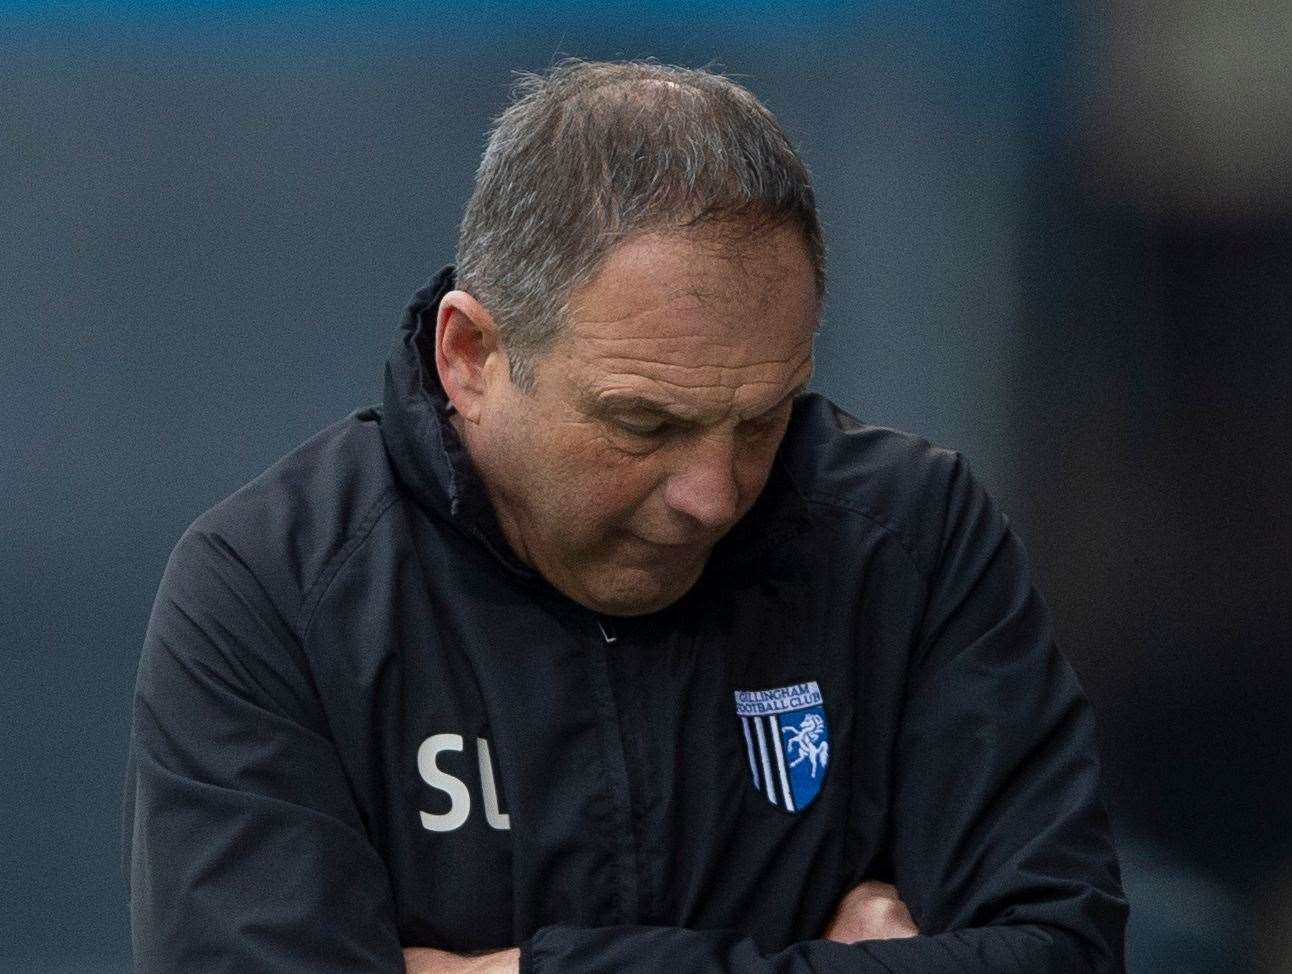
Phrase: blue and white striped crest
(787, 741)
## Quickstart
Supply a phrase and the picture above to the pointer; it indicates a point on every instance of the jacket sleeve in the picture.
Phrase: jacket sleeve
(243, 847)
(1000, 846)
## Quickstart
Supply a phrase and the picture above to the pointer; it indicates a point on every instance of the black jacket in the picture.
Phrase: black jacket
(361, 723)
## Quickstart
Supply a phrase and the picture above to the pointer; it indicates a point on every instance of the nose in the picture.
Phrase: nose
(703, 486)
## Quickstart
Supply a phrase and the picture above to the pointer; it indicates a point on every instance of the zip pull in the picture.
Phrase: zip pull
(607, 631)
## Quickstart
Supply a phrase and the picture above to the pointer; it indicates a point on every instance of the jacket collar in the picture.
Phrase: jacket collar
(433, 464)
(427, 452)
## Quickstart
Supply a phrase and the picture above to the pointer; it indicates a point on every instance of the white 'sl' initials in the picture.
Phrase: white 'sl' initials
(456, 790)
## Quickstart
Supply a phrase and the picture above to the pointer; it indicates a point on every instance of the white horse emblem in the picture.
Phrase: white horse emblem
(804, 740)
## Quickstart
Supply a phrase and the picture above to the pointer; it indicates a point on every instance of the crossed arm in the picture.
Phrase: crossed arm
(872, 911)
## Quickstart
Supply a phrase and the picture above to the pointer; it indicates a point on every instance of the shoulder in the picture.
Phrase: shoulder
(901, 483)
(291, 526)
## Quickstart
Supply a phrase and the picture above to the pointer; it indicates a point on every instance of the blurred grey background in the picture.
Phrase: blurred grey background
(1061, 242)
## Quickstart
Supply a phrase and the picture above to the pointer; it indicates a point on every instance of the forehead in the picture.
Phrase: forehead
(702, 322)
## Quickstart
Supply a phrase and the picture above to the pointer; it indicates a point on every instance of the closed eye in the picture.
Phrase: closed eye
(643, 426)
(766, 422)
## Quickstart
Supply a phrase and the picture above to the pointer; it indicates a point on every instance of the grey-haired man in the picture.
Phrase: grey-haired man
(600, 644)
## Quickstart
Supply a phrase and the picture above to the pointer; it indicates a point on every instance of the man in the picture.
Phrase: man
(600, 646)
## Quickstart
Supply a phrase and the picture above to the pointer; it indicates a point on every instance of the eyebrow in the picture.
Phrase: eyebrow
(628, 402)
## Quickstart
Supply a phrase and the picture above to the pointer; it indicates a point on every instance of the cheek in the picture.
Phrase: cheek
(597, 483)
(616, 489)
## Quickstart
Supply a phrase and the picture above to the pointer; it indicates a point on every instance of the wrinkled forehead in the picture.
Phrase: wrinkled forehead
(701, 330)
(718, 277)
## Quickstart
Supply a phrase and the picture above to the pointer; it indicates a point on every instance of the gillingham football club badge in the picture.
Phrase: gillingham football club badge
(787, 741)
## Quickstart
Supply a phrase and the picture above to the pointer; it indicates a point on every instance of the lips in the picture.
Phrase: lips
(684, 545)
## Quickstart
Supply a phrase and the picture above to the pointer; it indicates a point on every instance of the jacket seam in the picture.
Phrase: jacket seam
(885, 526)
(318, 589)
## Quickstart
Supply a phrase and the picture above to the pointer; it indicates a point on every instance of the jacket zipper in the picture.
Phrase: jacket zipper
(621, 838)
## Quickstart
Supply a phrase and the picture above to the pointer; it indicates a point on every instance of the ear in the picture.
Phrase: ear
(468, 352)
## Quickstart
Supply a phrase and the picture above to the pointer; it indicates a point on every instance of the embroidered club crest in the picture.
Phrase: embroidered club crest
(787, 742)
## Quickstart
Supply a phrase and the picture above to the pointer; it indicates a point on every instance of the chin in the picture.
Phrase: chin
(635, 593)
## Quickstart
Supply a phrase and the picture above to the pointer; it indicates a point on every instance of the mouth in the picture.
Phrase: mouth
(673, 546)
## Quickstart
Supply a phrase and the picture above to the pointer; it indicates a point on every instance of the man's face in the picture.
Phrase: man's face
(655, 415)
